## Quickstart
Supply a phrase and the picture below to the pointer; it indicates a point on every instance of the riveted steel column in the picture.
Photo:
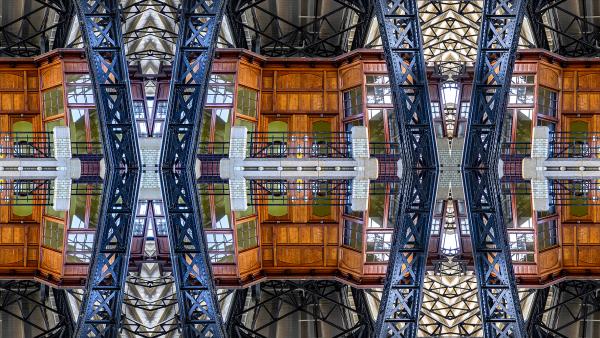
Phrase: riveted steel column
(102, 36)
(199, 24)
(498, 41)
(402, 43)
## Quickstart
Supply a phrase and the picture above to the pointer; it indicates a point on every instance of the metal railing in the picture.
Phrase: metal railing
(25, 192)
(280, 145)
(574, 192)
(213, 150)
(385, 150)
(515, 150)
(299, 144)
(574, 145)
(317, 192)
(87, 150)
(40, 145)
(26, 145)
(39, 192)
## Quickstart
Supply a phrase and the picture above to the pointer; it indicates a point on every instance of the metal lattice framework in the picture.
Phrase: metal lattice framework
(258, 312)
(450, 306)
(498, 40)
(30, 302)
(100, 22)
(150, 303)
(573, 35)
(30, 34)
(150, 33)
(450, 31)
(402, 42)
(344, 26)
(198, 31)
(566, 311)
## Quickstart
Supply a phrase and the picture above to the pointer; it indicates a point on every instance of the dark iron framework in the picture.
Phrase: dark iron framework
(257, 310)
(101, 30)
(198, 31)
(30, 302)
(14, 43)
(402, 43)
(571, 303)
(498, 39)
(274, 35)
(575, 35)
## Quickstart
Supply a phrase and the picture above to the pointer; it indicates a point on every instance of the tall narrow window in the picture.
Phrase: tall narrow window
(247, 101)
(79, 89)
(547, 235)
(547, 102)
(353, 234)
(246, 235)
(220, 89)
(378, 89)
(352, 101)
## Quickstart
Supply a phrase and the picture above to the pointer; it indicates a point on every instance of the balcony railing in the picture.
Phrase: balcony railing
(318, 192)
(26, 145)
(26, 192)
(299, 145)
(574, 145)
(39, 192)
(574, 192)
(40, 145)
(515, 150)
(87, 150)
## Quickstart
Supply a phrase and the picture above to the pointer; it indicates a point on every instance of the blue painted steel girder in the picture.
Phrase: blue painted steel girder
(498, 41)
(101, 30)
(402, 42)
(199, 24)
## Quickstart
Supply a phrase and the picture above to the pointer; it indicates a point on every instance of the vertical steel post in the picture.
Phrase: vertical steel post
(402, 43)
(101, 30)
(199, 24)
(498, 41)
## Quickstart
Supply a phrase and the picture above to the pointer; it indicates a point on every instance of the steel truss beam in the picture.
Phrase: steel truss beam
(323, 302)
(28, 302)
(14, 44)
(234, 15)
(537, 310)
(536, 20)
(572, 303)
(101, 30)
(498, 40)
(402, 42)
(568, 44)
(365, 10)
(304, 39)
(199, 24)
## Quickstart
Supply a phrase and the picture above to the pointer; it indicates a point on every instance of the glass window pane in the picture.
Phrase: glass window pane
(352, 101)
(378, 90)
(353, 234)
(79, 247)
(220, 89)
(247, 100)
(377, 130)
(246, 235)
(52, 102)
(547, 102)
(377, 205)
(77, 125)
(161, 110)
(77, 212)
(53, 235)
